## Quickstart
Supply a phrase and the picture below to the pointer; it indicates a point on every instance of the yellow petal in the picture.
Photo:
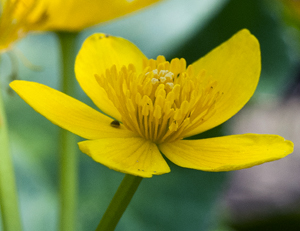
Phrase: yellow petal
(135, 156)
(98, 53)
(227, 153)
(235, 65)
(68, 112)
(70, 15)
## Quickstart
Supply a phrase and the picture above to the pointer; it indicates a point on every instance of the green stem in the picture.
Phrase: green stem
(119, 203)
(8, 192)
(68, 146)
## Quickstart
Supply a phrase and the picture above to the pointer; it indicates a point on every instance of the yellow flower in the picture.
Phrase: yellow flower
(155, 104)
(18, 17)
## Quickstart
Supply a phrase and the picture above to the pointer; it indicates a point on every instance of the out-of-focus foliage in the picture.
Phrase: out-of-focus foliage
(181, 200)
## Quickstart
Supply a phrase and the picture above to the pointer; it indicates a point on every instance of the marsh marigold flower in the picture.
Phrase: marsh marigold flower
(18, 17)
(154, 104)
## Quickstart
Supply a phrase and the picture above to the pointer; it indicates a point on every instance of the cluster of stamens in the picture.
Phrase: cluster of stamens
(164, 102)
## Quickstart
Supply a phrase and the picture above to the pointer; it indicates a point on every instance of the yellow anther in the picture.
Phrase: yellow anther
(160, 100)
(161, 59)
(178, 114)
(147, 88)
(184, 107)
(173, 127)
(160, 90)
(176, 90)
(157, 112)
(167, 106)
(170, 97)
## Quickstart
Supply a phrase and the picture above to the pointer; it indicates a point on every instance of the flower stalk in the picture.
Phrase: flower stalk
(67, 140)
(8, 192)
(119, 203)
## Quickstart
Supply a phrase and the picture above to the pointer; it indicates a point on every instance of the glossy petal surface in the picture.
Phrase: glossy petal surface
(235, 66)
(68, 112)
(135, 155)
(227, 153)
(98, 53)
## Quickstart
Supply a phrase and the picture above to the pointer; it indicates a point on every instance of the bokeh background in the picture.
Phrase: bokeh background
(265, 197)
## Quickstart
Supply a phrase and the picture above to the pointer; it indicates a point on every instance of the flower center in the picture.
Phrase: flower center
(164, 102)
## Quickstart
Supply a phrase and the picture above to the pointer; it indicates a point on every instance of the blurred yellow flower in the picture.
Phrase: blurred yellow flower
(18, 17)
(156, 104)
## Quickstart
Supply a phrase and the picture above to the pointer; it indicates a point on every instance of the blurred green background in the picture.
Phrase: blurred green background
(183, 199)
